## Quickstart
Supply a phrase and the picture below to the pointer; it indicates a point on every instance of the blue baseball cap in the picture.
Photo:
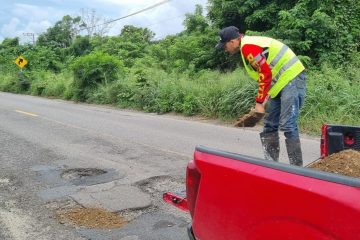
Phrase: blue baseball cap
(226, 34)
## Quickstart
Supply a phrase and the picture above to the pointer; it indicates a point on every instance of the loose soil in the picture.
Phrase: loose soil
(250, 119)
(346, 162)
(91, 218)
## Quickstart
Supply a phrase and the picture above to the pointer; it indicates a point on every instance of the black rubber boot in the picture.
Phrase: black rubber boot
(293, 147)
(271, 146)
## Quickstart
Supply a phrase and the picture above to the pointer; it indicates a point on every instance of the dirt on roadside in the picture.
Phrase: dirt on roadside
(346, 163)
(91, 218)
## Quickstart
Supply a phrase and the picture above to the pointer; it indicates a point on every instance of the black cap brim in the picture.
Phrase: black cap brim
(220, 45)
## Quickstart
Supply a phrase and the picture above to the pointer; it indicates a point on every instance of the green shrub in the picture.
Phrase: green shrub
(38, 83)
(43, 59)
(92, 70)
(56, 87)
(16, 83)
(332, 97)
(9, 83)
(190, 105)
(105, 94)
(45, 83)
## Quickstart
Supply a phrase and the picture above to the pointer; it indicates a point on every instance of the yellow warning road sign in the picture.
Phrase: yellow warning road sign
(21, 62)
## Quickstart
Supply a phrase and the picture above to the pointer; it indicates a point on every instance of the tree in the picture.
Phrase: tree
(10, 42)
(93, 24)
(196, 22)
(9, 51)
(128, 46)
(81, 46)
(256, 15)
(61, 34)
(43, 58)
(134, 34)
(324, 30)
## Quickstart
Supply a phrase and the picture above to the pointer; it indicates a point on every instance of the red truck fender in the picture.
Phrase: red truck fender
(288, 229)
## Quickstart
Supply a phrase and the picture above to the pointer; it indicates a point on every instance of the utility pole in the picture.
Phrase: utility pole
(30, 35)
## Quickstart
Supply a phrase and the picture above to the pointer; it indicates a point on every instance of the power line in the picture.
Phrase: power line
(165, 20)
(132, 14)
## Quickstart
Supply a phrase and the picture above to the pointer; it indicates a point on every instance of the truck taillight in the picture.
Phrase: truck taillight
(192, 185)
(324, 141)
(349, 139)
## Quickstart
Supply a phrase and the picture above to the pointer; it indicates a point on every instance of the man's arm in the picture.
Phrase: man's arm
(255, 56)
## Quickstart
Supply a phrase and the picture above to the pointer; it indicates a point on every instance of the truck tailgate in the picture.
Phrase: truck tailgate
(251, 198)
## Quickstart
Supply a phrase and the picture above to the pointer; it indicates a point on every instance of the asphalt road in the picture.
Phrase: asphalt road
(143, 155)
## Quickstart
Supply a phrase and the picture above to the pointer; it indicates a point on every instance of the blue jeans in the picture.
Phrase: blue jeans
(282, 111)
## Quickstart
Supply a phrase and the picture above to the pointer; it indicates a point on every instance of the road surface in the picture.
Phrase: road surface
(46, 146)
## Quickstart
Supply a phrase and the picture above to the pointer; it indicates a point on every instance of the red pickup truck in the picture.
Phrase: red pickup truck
(233, 197)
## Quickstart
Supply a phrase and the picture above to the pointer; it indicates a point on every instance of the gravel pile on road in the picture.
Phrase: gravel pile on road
(91, 218)
(346, 162)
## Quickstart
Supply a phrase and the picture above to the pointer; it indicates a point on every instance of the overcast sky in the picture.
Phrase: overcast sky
(20, 16)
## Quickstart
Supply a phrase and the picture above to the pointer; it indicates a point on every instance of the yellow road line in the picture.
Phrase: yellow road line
(27, 113)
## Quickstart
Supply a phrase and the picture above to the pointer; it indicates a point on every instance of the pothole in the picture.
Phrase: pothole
(78, 173)
(156, 184)
(91, 218)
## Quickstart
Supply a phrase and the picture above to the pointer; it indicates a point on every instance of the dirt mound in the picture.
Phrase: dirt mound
(91, 218)
(346, 162)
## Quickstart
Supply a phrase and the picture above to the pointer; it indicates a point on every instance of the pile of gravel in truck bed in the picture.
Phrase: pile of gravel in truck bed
(346, 162)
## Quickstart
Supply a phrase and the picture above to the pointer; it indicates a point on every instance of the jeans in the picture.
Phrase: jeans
(282, 111)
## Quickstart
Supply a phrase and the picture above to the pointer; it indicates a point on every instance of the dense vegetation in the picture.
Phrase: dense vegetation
(184, 73)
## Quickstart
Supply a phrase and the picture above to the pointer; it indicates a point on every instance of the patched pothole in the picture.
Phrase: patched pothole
(78, 173)
(91, 218)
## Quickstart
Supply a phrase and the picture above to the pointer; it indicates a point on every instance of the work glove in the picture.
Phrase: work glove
(250, 119)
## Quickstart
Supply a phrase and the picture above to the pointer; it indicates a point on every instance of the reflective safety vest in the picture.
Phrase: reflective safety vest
(284, 64)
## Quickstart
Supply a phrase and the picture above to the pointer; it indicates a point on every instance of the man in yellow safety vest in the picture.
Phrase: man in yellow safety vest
(281, 79)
